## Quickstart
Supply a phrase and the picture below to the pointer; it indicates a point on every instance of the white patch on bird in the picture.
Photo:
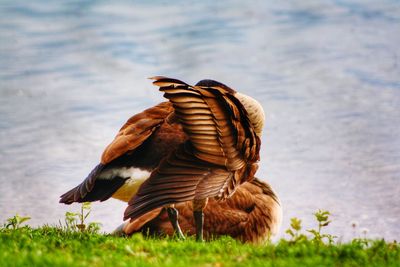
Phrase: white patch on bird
(136, 178)
(124, 172)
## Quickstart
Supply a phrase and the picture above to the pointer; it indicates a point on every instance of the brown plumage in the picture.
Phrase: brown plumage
(252, 214)
(202, 144)
(220, 154)
(142, 142)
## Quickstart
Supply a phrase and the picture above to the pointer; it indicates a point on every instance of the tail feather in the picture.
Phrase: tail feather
(92, 189)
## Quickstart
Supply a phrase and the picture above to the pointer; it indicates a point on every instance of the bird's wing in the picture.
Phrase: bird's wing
(215, 121)
(221, 144)
(135, 131)
(132, 134)
(180, 177)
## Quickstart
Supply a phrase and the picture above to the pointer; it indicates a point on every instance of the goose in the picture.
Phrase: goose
(201, 144)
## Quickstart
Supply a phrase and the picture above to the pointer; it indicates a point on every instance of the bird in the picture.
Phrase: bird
(252, 215)
(201, 144)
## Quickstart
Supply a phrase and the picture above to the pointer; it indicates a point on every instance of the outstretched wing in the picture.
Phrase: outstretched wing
(222, 147)
(136, 130)
(101, 186)
(215, 120)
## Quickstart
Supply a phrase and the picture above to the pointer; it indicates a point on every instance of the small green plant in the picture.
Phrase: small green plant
(317, 237)
(75, 220)
(322, 216)
(294, 231)
(16, 221)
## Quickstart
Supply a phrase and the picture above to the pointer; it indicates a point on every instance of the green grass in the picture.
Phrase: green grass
(54, 246)
(78, 243)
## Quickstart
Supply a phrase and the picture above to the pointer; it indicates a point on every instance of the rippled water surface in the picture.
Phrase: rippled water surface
(326, 72)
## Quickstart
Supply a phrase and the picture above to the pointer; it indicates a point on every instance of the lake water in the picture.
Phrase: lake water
(326, 72)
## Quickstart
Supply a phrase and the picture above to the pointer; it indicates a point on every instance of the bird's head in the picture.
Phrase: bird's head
(254, 109)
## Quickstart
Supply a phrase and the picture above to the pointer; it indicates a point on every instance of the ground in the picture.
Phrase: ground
(57, 246)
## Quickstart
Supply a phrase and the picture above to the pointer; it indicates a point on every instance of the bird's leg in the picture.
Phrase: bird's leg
(173, 217)
(198, 207)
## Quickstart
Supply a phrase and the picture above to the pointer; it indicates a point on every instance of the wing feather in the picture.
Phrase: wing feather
(179, 178)
(136, 130)
(221, 146)
(223, 119)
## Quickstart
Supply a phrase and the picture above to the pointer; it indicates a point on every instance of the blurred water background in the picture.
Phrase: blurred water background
(326, 72)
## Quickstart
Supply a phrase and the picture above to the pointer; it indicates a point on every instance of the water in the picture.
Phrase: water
(327, 74)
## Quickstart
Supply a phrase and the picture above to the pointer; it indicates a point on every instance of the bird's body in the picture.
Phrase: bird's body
(202, 144)
(253, 214)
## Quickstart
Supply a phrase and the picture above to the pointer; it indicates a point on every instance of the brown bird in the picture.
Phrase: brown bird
(253, 214)
(200, 145)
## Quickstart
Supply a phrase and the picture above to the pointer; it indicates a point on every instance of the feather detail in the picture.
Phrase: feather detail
(222, 146)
